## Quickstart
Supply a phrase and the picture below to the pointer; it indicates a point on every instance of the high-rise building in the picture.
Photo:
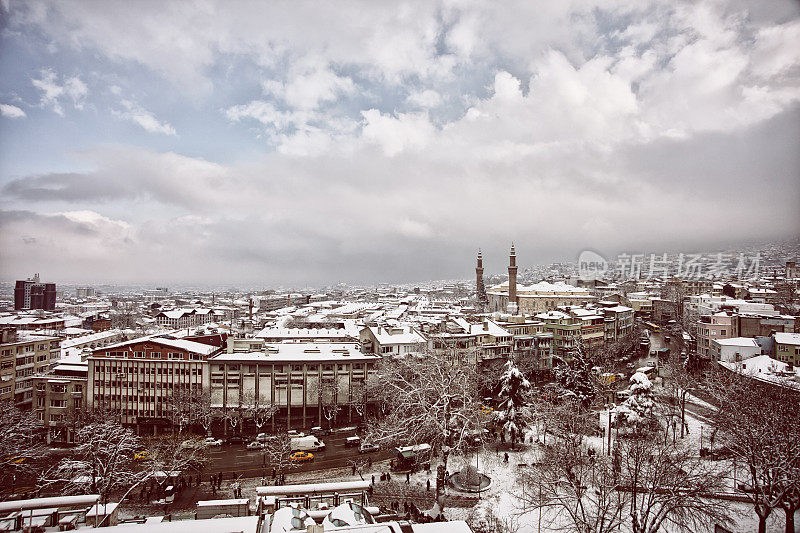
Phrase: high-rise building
(32, 294)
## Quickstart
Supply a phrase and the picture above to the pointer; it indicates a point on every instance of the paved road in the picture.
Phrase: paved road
(255, 463)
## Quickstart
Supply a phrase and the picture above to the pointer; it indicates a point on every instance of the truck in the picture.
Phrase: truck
(307, 443)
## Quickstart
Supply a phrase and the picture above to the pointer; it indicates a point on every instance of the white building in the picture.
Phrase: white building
(734, 350)
(391, 340)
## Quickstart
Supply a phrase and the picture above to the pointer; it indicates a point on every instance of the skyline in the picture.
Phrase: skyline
(304, 145)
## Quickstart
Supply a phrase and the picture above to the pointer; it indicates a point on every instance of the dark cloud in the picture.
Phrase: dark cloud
(68, 187)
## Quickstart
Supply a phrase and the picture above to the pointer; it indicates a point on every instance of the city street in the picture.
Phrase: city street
(255, 463)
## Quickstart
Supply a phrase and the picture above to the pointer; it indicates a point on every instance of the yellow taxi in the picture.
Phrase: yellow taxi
(301, 457)
(143, 455)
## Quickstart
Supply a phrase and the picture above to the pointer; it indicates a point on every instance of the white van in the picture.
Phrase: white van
(307, 443)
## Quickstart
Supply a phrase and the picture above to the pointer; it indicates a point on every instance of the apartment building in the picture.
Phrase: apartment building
(22, 355)
(136, 378)
(483, 340)
(391, 340)
(34, 294)
(714, 326)
(184, 318)
(59, 399)
(787, 348)
(734, 350)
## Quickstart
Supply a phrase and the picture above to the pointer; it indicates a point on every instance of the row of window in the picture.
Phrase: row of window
(263, 369)
(145, 384)
(156, 355)
(148, 370)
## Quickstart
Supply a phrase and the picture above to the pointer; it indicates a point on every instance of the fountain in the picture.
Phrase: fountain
(468, 479)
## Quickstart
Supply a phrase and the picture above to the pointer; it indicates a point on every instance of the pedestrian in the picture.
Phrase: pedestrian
(354, 469)
(388, 477)
(273, 472)
(428, 485)
(369, 461)
(373, 479)
(408, 477)
(505, 457)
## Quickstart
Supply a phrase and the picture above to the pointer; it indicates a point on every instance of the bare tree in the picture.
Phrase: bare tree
(760, 424)
(431, 398)
(278, 450)
(257, 410)
(102, 461)
(571, 483)
(670, 486)
(21, 443)
(328, 399)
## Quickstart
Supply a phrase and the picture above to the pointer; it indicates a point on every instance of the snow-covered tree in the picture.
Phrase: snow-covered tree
(278, 449)
(512, 413)
(760, 425)
(327, 393)
(636, 412)
(257, 409)
(669, 486)
(429, 398)
(575, 375)
(20, 443)
(102, 460)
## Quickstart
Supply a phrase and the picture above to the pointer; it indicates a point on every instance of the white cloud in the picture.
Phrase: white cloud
(144, 118)
(422, 129)
(54, 92)
(11, 111)
(395, 134)
(427, 98)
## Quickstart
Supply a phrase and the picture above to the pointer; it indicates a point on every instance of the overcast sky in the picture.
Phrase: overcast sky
(313, 142)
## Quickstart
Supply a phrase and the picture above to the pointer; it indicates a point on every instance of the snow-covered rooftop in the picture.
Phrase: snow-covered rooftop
(787, 338)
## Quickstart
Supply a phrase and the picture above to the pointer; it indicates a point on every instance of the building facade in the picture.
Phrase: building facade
(33, 294)
(22, 355)
(787, 348)
(137, 378)
(59, 400)
(306, 382)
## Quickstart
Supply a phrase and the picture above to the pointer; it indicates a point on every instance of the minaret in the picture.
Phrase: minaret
(512, 282)
(480, 289)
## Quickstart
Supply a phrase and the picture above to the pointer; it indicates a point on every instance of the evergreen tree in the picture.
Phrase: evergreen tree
(575, 376)
(636, 411)
(513, 395)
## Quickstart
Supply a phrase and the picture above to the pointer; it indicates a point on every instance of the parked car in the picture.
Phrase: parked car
(294, 433)
(262, 437)
(368, 447)
(235, 439)
(301, 457)
(255, 445)
(319, 431)
(192, 444)
(309, 442)
(211, 441)
(352, 441)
